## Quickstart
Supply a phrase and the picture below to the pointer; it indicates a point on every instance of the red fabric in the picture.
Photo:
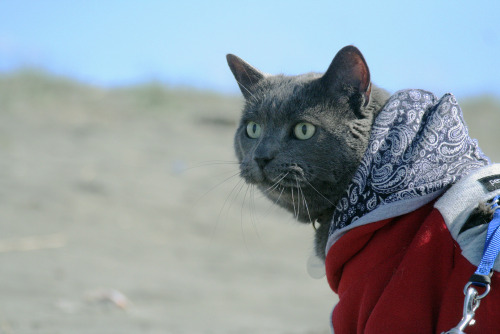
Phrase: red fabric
(404, 275)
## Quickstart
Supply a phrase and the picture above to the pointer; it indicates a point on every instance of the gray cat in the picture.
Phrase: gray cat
(301, 138)
(389, 179)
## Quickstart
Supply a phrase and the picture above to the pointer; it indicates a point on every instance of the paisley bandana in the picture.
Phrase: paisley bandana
(419, 146)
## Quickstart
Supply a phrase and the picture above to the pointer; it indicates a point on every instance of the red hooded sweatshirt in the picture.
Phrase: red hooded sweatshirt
(398, 254)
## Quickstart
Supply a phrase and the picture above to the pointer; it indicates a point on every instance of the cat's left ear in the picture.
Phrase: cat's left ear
(349, 72)
(246, 76)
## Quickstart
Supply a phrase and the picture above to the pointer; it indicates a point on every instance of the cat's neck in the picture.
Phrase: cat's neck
(378, 99)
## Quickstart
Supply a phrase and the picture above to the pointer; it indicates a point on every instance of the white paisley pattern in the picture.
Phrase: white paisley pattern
(419, 145)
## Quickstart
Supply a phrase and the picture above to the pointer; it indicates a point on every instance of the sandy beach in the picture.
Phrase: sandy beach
(121, 212)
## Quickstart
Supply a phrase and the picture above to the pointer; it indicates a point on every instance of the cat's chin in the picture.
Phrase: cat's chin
(299, 201)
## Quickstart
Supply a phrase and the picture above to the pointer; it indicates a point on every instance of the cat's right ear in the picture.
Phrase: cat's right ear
(246, 76)
(349, 73)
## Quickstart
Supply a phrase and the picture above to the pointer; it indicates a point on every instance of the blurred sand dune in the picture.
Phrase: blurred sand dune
(119, 194)
(121, 212)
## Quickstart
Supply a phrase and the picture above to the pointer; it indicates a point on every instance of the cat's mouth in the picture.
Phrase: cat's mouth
(293, 177)
(299, 198)
(277, 179)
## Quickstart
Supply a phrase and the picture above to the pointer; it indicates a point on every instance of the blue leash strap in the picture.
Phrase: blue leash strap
(482, 276)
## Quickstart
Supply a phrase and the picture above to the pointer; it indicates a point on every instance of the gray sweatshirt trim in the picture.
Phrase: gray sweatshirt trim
(458, 203)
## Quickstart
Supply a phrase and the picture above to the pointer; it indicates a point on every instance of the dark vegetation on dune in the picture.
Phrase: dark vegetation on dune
(135, 189)
(64, 97)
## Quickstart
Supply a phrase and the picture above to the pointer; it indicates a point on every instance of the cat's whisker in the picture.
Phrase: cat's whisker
(271, 188)
(279, 196)
(281, 176)
(298, 197)
(215, 162)
(298, 191)
(241, 219)
(316, 190)
(236, 195)
(225, 175)
(276, 184)
(253, 211)
(293, 204)
(232, 194)
(210, 163)
(305, 204)
(219, 184)
(273, 204)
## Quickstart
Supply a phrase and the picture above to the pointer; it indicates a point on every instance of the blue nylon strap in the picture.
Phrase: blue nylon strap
(492, 243)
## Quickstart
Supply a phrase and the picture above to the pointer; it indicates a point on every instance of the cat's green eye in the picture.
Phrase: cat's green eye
(304, 130)
(253, 130)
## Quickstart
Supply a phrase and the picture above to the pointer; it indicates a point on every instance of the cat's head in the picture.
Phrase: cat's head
(301, 138)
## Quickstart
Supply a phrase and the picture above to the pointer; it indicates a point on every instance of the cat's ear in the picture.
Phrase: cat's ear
(246, 76)
(349, 72)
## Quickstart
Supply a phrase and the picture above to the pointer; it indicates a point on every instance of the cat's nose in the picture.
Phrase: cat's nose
(266, 151)
(262, 161)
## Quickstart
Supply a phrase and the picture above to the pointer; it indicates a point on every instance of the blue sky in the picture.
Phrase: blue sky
(436, 45)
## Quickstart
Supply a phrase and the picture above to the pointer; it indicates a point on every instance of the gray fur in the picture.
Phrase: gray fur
(306, 177)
